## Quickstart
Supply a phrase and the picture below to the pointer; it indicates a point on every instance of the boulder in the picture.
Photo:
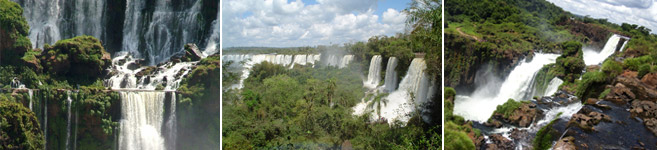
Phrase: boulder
(651, 124)
(192, 53)
(78, 57)
(650, 80)
(499, 142)
(567, 143)
(641, 90)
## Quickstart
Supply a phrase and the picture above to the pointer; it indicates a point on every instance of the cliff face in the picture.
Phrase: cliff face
(595, 35)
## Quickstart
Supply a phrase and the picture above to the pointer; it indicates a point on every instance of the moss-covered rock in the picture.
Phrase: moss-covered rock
(82, 58)
(19, 127)
(13, 31)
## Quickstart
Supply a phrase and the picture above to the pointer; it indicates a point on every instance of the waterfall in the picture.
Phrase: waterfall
(213, 42)
(346, 59)
(30, 92)
(171, 123)
(374, 74)
(553, 86)
(68, 122)
(285, 60)
(414, 86)
(125, 70)
(391, 75)
(592, 57)
(156, 29)
(482, 102)
(141, 122)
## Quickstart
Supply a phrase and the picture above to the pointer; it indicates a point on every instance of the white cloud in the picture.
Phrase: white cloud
(641, 12)
(283, 23)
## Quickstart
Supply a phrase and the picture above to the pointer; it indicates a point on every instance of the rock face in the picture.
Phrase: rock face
(588, 120)
(192, 53)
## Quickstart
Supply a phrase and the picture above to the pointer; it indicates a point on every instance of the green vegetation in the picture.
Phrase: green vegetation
(19, 128)
(544, 137)
(456, 139)
(456, 128)
(80, 57)
(508, 107)
(311, 108)
(198, 108)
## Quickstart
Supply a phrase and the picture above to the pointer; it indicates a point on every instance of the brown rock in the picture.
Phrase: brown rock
(651, 124)
(500, 142)
(567, 143)
(592, 101)
(650, 80)
(641, 90)
(192, 53)
(630, 74)
(644, 109)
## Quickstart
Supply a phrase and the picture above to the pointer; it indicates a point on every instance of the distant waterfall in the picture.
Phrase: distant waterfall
(553, 86)
(141, 123)
(592, 57)
(391, 75)
(346, 59)
(374, 74)
(155, 29)
(414, 86)
(30, 93)
(482, 102)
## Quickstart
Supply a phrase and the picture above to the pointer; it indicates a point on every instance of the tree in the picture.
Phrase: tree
(377, 101)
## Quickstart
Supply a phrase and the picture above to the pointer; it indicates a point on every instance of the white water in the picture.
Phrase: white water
(566, 113)
(553, 86)
(166, 75)
(213, 42)
(30, 93)
(156, 35)
(171, 123)
(482, 102)
(592, 57)
(391, 75)
(346, 59)
(413, 91)
(374, 74)
(68, 122)
(141, 122)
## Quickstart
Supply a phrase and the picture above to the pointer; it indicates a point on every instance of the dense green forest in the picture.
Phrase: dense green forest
(311, 108)
(499, 33)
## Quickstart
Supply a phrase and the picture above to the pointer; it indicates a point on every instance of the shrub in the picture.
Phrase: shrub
(508, 107)
(612, 68)
(643, 70)
(635, 63)
(456, 139)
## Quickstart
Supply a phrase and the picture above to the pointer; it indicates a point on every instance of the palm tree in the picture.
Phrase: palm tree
(377, 101)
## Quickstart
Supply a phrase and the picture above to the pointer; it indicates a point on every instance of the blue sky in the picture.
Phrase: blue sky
(290, 23)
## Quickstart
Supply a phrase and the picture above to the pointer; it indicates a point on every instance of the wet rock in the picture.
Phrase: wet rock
(567, 143)
(192, 53)
(620, 94)
(644, 109)
(588, 120)
(493, 123)
(592, 68)
(650, 80)
(651, 124)
(499, 142)
(592, 101)
(641, 90)
(518, 134)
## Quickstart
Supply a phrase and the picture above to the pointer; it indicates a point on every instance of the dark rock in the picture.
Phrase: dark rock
(567, 143)
(192, 53)
(500, 142)
(518, 134)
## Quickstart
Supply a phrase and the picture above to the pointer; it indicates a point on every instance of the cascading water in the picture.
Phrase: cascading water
(68, 122)
(155, 29)
(391, 75)
(553, 86)
(346, 59)
(414, 86)
(141, 122)
(374, 74)
(125, 70)
(592, 57)
(480, 105)
(30, 92)
(171, 123)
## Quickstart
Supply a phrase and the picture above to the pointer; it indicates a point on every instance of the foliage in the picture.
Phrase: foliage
(456, 139)
(80, 59)
(590, 83)
(11, 18)
(543, 139)
(643, 70)
(19, 128)
(508, 107)
(198, 106)
(635, 63)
